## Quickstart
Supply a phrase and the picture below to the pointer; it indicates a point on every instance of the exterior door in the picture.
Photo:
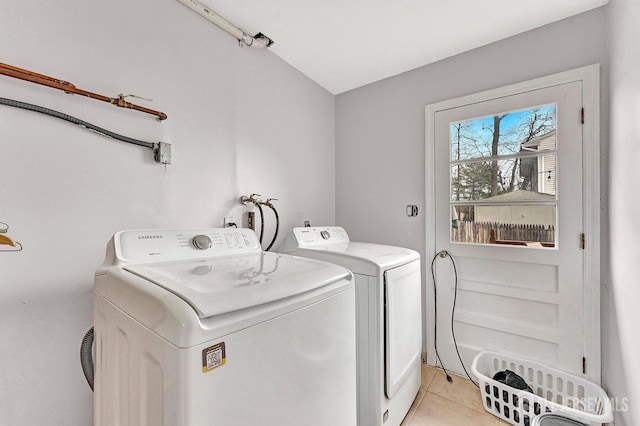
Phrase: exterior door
(508, 179)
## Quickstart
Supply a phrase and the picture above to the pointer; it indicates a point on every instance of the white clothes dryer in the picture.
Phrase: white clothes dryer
(200, 327)
(389, 317)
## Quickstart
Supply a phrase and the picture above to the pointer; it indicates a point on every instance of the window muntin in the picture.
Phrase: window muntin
(527, 178)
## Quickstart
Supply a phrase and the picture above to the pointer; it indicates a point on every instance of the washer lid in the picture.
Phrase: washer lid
(214, 286)
(332, 244)
(361, 258)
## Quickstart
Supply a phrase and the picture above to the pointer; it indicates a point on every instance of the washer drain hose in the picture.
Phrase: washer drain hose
(257, 204)
(275, 234)
(86, 358)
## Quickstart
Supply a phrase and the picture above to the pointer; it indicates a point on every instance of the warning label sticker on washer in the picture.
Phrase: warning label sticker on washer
(213, 357)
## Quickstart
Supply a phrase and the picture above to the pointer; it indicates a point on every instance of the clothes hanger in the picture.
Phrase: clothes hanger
(7, 240)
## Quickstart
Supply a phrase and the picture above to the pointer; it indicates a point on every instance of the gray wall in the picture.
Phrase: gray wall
(240, 121)
(380, 139)
(380, 127)
(621, 342)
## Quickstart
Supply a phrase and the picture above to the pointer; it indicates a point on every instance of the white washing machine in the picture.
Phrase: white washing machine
(200, 327)
(389, 318)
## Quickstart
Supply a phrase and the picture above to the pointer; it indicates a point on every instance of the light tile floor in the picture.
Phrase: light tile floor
(440, 403)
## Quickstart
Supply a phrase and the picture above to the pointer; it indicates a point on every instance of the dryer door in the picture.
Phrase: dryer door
(403, 324)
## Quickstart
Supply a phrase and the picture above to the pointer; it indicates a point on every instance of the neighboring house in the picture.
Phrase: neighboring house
(539, 173)
(519, 214)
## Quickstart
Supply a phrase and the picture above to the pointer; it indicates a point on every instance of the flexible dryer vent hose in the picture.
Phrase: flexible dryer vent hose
(86, 358)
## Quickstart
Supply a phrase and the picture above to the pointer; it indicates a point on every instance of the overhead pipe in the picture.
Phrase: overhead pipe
(258, 41)
(33, 74)
(55, 83)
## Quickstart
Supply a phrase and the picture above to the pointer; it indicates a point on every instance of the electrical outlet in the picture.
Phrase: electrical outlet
(230, 222)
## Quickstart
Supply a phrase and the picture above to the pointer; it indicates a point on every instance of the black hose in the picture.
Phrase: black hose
(435, 321)
(275, 234)
(86, 357)
(74, 120)
(445, 253)
(257, 204)
(453, 312)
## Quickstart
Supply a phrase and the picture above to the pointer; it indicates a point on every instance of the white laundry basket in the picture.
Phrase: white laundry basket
(554, 391)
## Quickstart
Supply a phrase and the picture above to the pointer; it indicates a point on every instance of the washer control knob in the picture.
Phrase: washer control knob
(325, 235)
(201, 242)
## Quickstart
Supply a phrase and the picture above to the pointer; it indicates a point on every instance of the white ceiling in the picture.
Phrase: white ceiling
(344, 44)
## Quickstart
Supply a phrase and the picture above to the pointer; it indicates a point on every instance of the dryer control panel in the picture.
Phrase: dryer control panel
(155, 245)
(315, 236)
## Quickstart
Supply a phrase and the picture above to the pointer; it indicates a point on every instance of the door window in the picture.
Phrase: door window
(503, 178)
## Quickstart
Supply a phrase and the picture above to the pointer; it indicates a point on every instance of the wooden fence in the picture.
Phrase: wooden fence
(503, 233)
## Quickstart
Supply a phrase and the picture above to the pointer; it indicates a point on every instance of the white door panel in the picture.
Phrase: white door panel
(527, 301)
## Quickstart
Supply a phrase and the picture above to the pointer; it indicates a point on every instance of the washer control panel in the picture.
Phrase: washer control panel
(315, 236)
(172, 244)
